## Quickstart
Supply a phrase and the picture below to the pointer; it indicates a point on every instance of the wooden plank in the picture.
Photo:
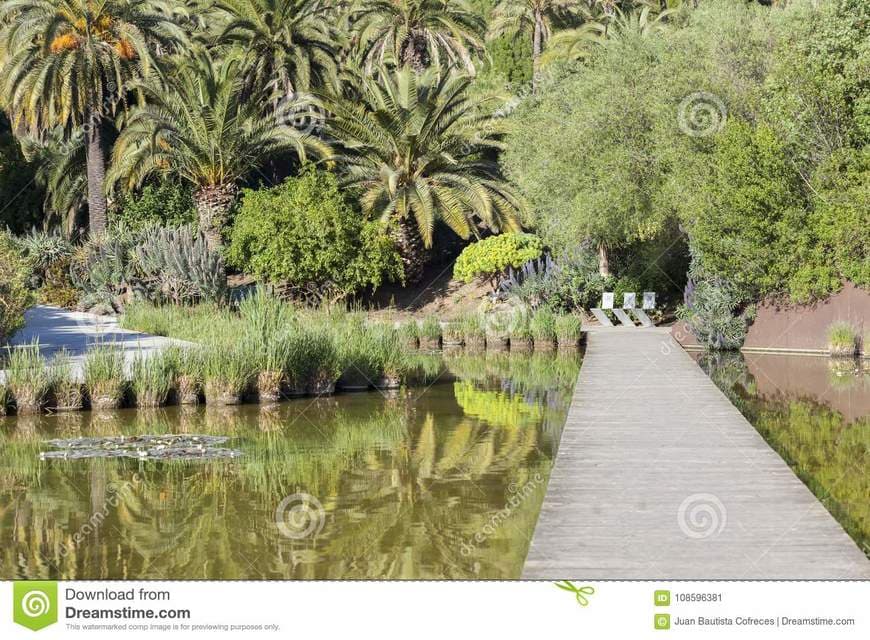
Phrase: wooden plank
(659, 476)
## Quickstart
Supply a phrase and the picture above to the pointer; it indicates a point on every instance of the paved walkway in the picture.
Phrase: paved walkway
(659, 476)
(57, 329)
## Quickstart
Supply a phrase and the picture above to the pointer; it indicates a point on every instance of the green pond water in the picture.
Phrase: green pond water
(442, 481)
(815, 412)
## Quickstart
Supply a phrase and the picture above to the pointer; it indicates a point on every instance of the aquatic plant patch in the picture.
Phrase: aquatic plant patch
(142, 447)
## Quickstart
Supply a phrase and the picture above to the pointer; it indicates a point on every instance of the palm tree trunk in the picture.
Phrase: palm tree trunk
(537, 45)
(603, 261)
(213, 204)
(96, 170)
(412, 249)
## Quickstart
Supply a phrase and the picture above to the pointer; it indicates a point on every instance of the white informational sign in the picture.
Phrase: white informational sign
(629, 300)
(607, 300)
(649, 300)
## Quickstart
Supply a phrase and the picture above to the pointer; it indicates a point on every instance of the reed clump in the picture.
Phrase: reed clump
(28, 378)
(66, 387)
(104, 376)
(569, 329)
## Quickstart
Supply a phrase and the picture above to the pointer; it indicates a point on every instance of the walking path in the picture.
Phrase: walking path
(77, 332)
(659, 476)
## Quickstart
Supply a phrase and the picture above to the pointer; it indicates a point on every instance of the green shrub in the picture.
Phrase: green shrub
(15, 297)
(491, 257)
(842, 339)
(165, 204)
(305, 235)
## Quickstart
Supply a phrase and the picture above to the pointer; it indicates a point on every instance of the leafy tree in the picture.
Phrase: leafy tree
(303, 234)
(584, 154)
(418, 152)
(418, 33)
(204, 128)
(68, 63)
(290, 42)
(750, 212)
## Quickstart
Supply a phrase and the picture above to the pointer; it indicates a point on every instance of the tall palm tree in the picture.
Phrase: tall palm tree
(69, 62)
(203, 126)
(291, 42)
(532, 18)
(418, 33)
(418, 151)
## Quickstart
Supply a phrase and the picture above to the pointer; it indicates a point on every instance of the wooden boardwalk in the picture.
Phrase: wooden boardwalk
(659, 476)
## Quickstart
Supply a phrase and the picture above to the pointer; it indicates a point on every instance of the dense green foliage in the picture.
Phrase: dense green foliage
(739, 130)
(15, 297)
(491, 257)
(164, 203)
(305, 235)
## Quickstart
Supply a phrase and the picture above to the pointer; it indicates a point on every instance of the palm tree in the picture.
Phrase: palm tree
(417, 33)
(418, 151)
(575, 44)
(68, 62)
(532, 18)
(61, 172)
(290, 42)
(203, 126)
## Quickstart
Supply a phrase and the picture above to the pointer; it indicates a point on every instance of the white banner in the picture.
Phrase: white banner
(422, 610)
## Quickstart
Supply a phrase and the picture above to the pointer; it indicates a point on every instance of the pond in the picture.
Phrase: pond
(815, 412)
(443, 481)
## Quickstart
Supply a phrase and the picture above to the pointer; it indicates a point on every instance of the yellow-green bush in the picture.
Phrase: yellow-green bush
(491, 257)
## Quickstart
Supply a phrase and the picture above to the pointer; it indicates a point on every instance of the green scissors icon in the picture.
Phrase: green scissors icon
(579, 592)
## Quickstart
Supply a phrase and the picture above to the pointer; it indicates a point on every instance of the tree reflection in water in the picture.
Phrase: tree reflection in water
(404, 483)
